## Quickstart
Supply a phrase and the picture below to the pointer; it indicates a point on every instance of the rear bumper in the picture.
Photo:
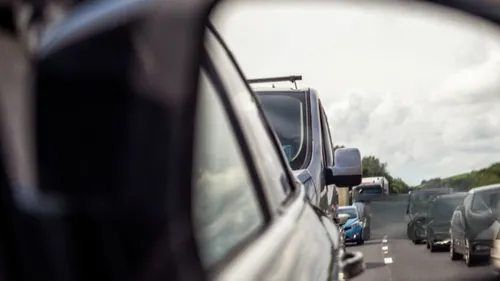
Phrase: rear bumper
(481, 247)
(441, 239)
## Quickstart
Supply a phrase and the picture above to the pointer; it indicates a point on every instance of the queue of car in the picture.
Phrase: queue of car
(465, 223)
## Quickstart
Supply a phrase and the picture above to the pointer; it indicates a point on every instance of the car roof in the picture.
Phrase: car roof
(281, 89)
(485, 188)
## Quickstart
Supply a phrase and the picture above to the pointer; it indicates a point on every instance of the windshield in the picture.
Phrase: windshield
(286, 112)
(369, 189)
(443, 208)
(349, 211)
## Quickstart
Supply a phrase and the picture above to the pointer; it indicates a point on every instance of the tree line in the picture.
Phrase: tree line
(466, 181)
(374, 167)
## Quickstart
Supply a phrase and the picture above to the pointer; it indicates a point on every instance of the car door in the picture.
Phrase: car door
(461, 226)
(331, 203)
(266, 230)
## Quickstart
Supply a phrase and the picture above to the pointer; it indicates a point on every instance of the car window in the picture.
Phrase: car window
(226, 208)
(485, 199)
(349, 211)
(286, 111)
(272, 166)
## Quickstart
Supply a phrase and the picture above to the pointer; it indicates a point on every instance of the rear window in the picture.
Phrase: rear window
(349, 211)
(444, 207)
(369, 189)
(419, 201)
(287, 114)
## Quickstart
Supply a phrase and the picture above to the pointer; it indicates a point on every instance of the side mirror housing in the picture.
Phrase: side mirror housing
(347, 170)
(343, 218)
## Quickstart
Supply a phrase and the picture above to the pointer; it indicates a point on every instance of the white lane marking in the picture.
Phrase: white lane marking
(386, 252)
(385, 248)
(387, 260)
(384, 240)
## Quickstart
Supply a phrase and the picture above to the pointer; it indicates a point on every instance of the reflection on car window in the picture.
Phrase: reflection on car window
(286, 113)
(226, 209)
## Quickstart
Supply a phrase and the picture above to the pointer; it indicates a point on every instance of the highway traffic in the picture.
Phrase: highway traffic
(389, 255)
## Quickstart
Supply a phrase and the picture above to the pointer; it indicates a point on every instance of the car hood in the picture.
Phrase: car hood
(350, 222)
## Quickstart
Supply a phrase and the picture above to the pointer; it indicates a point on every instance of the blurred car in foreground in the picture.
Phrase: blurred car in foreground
(437, 226)
(474, 225)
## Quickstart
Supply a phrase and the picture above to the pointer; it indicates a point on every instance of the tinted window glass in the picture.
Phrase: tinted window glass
(420, 200)
(226, 209)
(486, 199)
(286, 113)
(349, 211)
(444, 208)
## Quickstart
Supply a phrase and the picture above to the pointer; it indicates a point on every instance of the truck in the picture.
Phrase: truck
(370, 188)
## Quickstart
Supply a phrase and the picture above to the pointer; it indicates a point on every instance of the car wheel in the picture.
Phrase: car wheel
(469, 258)
(454, 255)
(415, 240)
(432, 248)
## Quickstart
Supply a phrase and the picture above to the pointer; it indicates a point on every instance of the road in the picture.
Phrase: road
(390, 256)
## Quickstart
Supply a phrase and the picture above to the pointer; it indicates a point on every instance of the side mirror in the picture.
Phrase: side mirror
(352, 264)
(343, 218)
(347, 170)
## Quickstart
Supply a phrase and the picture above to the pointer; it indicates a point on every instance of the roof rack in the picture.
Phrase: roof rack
(292, 78)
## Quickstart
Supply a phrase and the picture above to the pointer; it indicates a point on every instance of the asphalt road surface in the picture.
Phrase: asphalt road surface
(390, 256)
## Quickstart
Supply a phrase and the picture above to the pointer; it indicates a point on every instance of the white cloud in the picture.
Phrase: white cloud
(419, 91)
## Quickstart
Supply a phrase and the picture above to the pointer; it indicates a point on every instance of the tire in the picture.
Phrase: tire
(454, 256)
(414, 238)
(432, 248)
(470, 260)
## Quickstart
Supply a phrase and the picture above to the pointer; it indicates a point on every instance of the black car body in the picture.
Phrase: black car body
(438, 217)
(301, 125)
(176, 174)
(474, 224)
(418, 203)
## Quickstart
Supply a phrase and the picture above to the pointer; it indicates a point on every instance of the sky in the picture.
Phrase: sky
(416, 87)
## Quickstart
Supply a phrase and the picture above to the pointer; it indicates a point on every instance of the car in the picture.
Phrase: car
(365, 217)
(353, 228)
(154, 160)
(416, 208)
(301, 125)
(438, 217)
(474, 225)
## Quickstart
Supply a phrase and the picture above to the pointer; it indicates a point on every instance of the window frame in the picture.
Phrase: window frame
(247, 158)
